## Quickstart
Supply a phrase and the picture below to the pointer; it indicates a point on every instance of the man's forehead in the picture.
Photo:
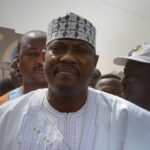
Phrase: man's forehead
(131, 64)
(70, 41)
(134, 66)
(109, 80)
(29, 42)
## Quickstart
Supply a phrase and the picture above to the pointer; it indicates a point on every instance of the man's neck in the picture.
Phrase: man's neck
(67, 103)
(28, 87)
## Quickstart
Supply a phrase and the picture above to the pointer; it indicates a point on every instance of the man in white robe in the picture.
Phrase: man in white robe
(69, 115)
(136, 79)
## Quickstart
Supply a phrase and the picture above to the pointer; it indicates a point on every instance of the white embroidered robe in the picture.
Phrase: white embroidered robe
(105, 122)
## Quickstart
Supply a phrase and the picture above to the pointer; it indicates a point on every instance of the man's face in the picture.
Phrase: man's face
(94, 79)
(69, 65)
(15, 74)
(136, 83)
(30, 60)
(110, 85)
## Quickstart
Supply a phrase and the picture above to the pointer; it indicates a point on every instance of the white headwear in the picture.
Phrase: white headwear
(141, 54)
(72, 26)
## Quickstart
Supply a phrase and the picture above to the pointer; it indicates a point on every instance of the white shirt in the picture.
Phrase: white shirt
(70, 124)
(105, 122)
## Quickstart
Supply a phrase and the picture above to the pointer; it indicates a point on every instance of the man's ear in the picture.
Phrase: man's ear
(96, 57)
(17, 57)
(18, 60)
(43, 55)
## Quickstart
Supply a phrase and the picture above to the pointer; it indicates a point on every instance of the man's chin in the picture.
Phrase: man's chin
(66, 85)
(39, 77)
(66, 89)
(41, 82)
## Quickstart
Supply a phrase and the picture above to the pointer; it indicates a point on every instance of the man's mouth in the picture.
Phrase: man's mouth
(67, 70)
(125, 90)
(39, 70)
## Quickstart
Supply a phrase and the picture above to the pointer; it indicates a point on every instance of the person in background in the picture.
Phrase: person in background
(110, 83)
(15, 73)
(69, 115)
(6, 85)
(15, 80)
(136, 87)
(95, 77)
(30, 48)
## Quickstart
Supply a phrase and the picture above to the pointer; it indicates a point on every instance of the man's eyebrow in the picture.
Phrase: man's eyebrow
(28, 46)
(55, 44)
(83, 44)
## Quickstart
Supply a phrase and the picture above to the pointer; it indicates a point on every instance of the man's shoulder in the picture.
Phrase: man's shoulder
(15, 93)
(126, 120)
(115, 103)
(11, 95)
(20, 102)
(4, 98)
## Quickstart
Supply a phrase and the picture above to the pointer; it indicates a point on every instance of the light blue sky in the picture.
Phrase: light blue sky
(121, 24)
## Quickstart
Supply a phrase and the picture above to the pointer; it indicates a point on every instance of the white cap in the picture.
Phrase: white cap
(140, 54)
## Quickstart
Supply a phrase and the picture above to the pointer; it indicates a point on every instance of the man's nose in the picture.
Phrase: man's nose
(124, 81)
(68, 57)
(39, 58)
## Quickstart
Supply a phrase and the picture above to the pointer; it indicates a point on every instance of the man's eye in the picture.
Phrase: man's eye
(130, 74)
(31, 54)
(116, 91)
(81, 50)
(56, 50)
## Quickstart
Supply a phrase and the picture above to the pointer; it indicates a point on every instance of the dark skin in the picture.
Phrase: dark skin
(30, 60)
(94, 79)
(67, 73)
(110, 85)
(15, 73)
(136, 83)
